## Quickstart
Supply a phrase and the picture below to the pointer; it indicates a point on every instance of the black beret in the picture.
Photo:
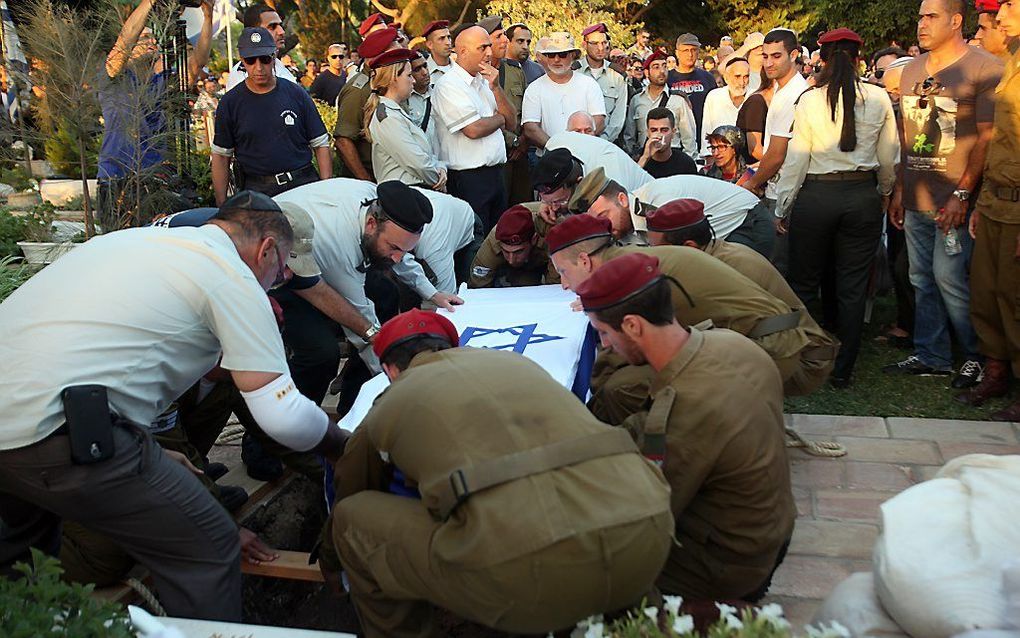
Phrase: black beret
(554, 169)
(405, 206)
(250, 200)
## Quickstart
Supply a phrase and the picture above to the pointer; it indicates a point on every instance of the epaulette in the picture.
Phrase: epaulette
(359, 80)
(380, 112)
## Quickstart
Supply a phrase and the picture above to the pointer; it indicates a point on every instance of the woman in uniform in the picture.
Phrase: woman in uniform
(834, 187)
(400, 148)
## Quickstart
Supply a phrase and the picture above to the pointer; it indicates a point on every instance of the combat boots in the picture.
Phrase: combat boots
(995, 383)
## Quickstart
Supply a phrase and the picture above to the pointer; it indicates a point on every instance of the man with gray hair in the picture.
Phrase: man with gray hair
(581, 122)
(594, 64)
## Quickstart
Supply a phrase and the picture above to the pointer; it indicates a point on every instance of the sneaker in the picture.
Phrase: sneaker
(913, 365)
(970, 375)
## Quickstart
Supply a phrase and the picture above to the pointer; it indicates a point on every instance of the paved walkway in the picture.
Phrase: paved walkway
(838, 499)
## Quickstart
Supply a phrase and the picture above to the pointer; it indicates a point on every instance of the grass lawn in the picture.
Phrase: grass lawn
(876, 394)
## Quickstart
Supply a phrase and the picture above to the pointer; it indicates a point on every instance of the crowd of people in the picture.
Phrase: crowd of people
(719, 217)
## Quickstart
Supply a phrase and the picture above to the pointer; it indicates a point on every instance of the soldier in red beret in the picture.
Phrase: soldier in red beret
(582, 244)
(486, 437)
(513, 254)
(373, 23)
(440, 45)
(989, 34)
(715, 427)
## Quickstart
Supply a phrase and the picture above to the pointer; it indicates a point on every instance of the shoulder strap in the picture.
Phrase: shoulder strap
(776, 323)
(462, 483)
(653, 439)
(664, 98)
(428, 114)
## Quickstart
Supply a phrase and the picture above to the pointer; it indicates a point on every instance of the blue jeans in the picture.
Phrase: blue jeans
(941, 290)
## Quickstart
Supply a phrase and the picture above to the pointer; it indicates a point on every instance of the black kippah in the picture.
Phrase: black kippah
(553, 169)
(250, 200)
(404, 206)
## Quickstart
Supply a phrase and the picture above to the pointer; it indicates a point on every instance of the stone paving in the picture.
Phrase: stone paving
(838, 499)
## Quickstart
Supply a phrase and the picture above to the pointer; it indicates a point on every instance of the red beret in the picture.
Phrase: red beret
(658, 54)
(377, 42)
(577, 228)
(414, 324)
(435, 25)
(618, 280)
(987, 6)
(598, 27)
(674, 215)
(515, 226)
(393, 56)
(839, 34)
(371, 21)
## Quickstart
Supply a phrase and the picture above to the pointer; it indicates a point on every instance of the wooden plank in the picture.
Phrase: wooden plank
(290, 565)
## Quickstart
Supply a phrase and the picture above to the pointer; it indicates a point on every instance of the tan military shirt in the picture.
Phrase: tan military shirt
(489, 263)
(1002, 167)
(464, 406)
(513, 83)
(726, 465)
(350, 117)
(751, 264)
(722, 295)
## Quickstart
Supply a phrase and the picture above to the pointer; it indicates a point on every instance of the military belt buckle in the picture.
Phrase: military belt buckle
(1008, 194)
(459, 487)
(287, 181)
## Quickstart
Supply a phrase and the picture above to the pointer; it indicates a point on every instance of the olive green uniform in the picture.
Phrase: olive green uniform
(533, 553)
(516, 173)
(995, 269)
(719, 403)
(350, 116)
(489, 264)
(729, 300)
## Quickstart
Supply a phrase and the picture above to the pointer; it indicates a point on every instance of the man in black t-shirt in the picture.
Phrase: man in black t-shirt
(327, 84)
(689, 80)
(269, 128)
(659, 158)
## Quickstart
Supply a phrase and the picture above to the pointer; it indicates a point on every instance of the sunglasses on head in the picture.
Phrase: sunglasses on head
(559, 54)
(264, 59)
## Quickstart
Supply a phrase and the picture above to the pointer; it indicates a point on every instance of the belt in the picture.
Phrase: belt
(777, 323)
(279, 179)
(454, 490)
(819, 353)
(841, 176)
(1006, 193)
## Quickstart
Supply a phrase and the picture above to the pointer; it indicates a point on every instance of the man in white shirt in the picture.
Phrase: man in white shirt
(97, 345)
(440, 44)
(612, 84)
(445, 248)
(266, 17)
(657, 95)
(723, 104)
(472, 112)
(552, 98)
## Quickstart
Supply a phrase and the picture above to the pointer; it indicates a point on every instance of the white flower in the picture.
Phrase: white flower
(652, 613)
(835, 630)
(672, 604)
(732, 622)
(595, 630)
(726, 610)
(683, 624)
(773, 615)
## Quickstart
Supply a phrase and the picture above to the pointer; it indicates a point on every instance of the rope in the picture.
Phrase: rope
(231, 435)
(829, 449)
(146, 594)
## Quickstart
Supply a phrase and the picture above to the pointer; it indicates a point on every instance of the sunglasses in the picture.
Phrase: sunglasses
(879, 73)
(264, 59)
(560, 54)
(335, 57)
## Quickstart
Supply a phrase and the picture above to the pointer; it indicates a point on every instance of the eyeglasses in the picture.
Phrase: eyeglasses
(929, 88)
(559, 54)
(718, 147)
(264, 59)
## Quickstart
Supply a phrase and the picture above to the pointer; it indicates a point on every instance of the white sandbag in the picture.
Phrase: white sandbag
(944, 544)
(854, 604)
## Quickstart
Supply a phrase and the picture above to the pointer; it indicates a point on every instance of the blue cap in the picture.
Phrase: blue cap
(255, 41)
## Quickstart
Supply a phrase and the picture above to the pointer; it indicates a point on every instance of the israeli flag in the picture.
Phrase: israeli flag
(12, 53)
(223, 14)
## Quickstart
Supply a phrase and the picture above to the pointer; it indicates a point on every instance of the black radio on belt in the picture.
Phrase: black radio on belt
(89, 423)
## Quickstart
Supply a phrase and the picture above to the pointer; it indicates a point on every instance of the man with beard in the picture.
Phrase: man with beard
(361, 231)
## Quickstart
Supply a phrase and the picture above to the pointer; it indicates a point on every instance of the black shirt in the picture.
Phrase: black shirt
(751, 119)
(695, 85)
(326, 86)
(679, 163)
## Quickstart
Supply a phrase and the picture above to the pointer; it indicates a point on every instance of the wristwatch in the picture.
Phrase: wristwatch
(961, 194)
(370, 333)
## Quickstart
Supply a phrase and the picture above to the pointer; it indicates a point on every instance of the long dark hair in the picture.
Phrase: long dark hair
(839, 77)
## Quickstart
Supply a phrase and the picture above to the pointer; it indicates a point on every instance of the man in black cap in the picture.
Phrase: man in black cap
(361, 231)
(270, 128)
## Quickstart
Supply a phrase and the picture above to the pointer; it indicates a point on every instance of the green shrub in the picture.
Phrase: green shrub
(12, 230)
(40, 605)
(13, 273)
(16, 177)
(62, 152)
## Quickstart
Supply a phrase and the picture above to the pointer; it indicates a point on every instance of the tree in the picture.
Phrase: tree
(546, 16)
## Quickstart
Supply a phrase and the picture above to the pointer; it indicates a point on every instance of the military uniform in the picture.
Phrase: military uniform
(995, 273)
(720, 404)
(529, 550)
(419, 106)
(489, 265)
(728, 300)
(614, 90)
(517, 179)
(350, 116)
(400, 148)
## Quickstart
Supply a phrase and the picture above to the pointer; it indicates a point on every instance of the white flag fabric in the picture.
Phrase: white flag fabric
(11, 44)
(536, 322)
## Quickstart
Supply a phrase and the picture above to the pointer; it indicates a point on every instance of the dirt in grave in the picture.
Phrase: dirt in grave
(293, 520)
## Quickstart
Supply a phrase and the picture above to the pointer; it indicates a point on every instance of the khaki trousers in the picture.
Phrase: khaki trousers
(995, 291)
(385, 545)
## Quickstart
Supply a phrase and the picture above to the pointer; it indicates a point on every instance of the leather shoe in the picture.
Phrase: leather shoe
(215, 471)
(232, 497)
(1011, 413)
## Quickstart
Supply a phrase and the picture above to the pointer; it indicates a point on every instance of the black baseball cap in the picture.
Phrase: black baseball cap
(255, 41)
